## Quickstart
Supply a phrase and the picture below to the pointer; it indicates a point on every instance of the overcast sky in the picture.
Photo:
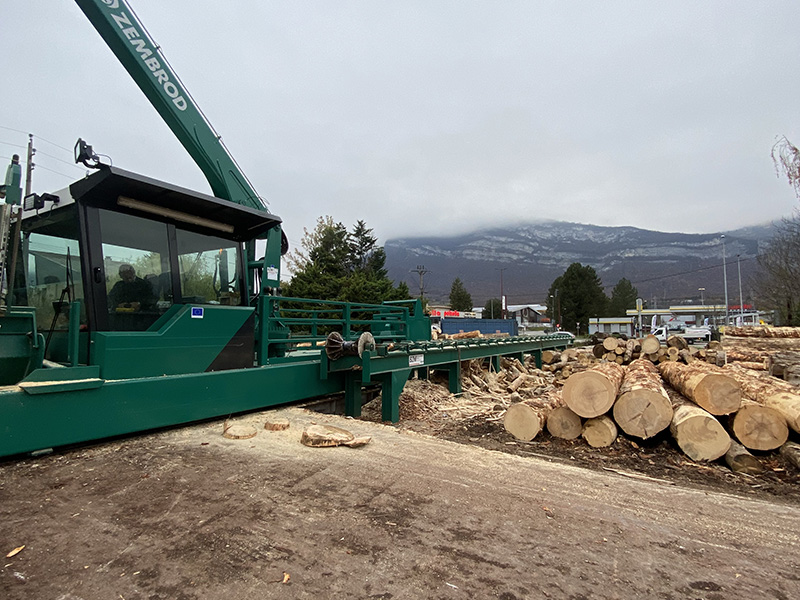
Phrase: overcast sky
(434, 117)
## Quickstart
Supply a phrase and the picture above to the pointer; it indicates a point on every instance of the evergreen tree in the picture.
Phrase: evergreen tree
(334, 264)
(576, 296)
(459, 297)
(623, 297)
(493, 309)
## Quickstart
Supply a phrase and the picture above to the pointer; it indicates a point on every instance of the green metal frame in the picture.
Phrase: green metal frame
(392, 368)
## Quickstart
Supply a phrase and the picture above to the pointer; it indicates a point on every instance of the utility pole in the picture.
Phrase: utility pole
(502, 297)
(12, 266)
(29, 169)
(421, 271)
(741, 301)
(725, 279)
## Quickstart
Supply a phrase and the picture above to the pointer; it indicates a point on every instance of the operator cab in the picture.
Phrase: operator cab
(131, 248)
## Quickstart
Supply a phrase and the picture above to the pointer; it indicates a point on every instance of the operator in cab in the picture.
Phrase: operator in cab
(131, 293)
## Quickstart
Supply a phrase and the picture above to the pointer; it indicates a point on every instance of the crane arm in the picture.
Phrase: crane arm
(129, 41)
(127, 38)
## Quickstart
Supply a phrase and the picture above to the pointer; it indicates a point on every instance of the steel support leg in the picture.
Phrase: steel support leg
(391, 386)
(495, 363)
(537, 358)
(454, 377)
(352, 395)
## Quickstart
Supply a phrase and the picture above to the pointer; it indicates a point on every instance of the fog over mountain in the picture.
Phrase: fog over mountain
(665, 267)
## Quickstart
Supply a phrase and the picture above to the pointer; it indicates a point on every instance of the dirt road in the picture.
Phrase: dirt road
(188, 514)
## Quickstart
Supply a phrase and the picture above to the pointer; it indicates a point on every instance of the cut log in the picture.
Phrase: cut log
(779, 361)
(599, 432)
(791, 452)
(698, 434)
(763, 331)
(650, 344)
(524, 420)
(686, 355)
(592, 393)
(770, 392)
(278, 424)
(741, 461)
(550, 356)
(643, 407)
(238, 431)
(610, 344)
(747, 355)
(753, 366)
(676, 341)
(517, 383)
(563, 423)
(718, 393)
(598, 350)
(673, 353)
(759, 427)
(465, 335)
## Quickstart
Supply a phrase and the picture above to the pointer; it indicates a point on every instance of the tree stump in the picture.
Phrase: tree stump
(718, 393)
(593, 392)
(599, 432)
(643, 408)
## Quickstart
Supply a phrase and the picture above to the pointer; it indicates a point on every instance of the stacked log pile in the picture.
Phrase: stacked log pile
(712, 413)
(763, 332)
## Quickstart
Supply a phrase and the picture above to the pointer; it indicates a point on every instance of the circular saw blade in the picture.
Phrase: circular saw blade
(365, 342)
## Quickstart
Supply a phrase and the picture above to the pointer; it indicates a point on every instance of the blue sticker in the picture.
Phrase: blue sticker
(197, 312)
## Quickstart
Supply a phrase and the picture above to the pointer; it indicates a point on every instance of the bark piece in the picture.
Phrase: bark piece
(563, 423)
(643, 408)
(326, 436)
(592, 393)
(599, 432)
(716, 392)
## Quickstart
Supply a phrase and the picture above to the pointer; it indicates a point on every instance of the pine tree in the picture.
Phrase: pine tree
(334, 264)
(623, 297)
(459, 297)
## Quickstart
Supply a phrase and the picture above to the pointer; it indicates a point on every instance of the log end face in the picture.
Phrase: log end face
(564, 423)
(718, 394)
(643, 413)
(522, 422)
(760, 427)
(700, 436)
(589, 394)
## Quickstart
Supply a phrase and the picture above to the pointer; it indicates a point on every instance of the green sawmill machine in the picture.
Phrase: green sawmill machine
(136, 304)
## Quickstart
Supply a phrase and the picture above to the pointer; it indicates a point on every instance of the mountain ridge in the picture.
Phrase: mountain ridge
(665, 266)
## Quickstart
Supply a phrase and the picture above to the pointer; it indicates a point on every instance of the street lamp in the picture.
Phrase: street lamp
(741, 301)
(725, 279)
